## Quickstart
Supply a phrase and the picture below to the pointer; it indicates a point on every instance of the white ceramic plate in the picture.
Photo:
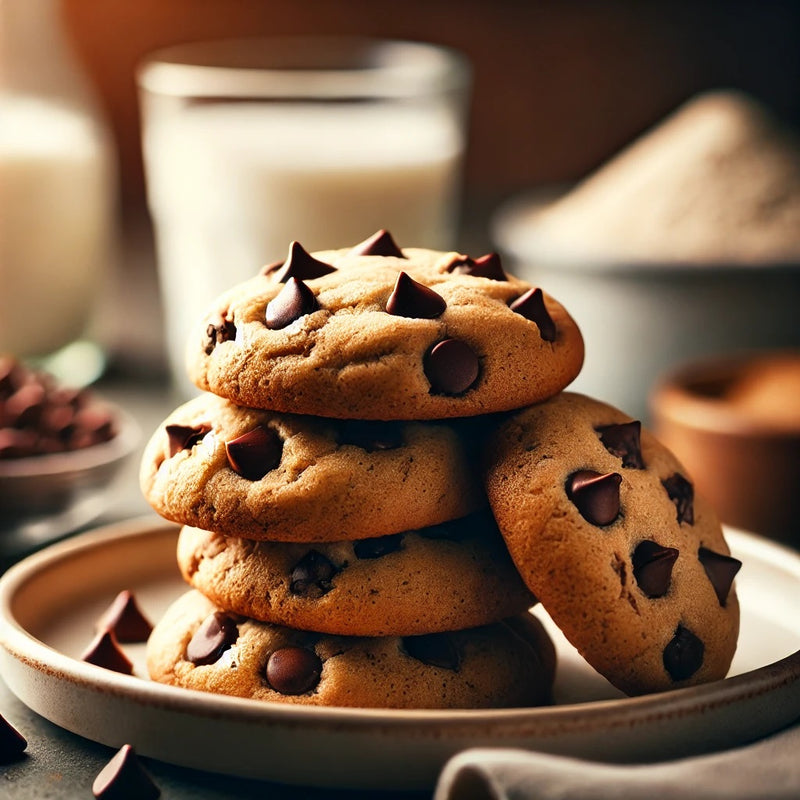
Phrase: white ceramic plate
(49, 602)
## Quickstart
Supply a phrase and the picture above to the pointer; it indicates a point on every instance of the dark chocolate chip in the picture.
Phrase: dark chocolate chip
(311, 576)
(595, 495)
(531, 306)
(295, 300)
(411, 299)
(216, 634)
(12, 742)
(103, 651)
(219, 331)
(487, 266)
(652, 567)
(683, 656)
(371, 435)
(24, 408)
(11, 376)
(451, 367)
(301, 266)
(379, 244)
(255, 453)
(17, 444)
(124, 778)
(434, 649)
(125, 619)
(624, 441)
(681, 492)
(721, 571)
(293, 670)
(377, 547)
(185, 437)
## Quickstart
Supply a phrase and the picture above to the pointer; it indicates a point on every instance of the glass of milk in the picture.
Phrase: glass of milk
(251, 144)
(57, 196)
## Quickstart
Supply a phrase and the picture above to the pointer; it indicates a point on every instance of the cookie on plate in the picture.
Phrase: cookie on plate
(198, 646)
(413, 334)
(262, 475)
(603, 525)
(446, 577)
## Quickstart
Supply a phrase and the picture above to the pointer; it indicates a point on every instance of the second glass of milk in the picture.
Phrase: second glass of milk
(251, 144)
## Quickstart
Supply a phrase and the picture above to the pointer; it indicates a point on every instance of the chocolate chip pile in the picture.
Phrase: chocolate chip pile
(38, 416)
(277, 603)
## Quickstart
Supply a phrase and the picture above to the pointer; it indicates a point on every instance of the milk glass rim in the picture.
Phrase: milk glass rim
(242, 67)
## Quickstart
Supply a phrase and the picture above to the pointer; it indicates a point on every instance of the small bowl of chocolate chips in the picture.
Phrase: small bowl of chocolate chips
(61, 450)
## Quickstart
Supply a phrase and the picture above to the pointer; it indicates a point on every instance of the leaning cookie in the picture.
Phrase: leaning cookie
(446, 577)
(198, 646)
(415, 334)
(602, 523)
(262, 475)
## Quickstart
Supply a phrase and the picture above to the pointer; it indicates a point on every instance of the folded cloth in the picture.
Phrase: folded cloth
(766, 770)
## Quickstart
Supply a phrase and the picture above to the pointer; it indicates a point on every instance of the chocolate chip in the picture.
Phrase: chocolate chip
(184, 437)
(38, 416)
(11, 376)
(103, 651)
(377, 547)
(681, 492)
(624, 441)
(595, 495)
(683, 656)
(451, 367)
(487, 266)
(24, 408)
(124, 778)
(721, 571)
(219, 331)
(652, 567)
(379, 244)
(295, 300)
(255, 453)
(411, 299)
(300, 265)
(293, 670)
(371, 435)
(17, 444)
(12, 742)
(215, 635)
(531, 306)
(311, 576)
(125, 620)
(434, 649)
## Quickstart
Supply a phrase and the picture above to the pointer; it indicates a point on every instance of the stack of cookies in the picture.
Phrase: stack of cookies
(383, 474)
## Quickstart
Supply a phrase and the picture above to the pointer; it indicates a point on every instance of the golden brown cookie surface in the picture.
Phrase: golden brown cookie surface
(446, 577)
(263, 475)
(197, 646)
(424, 335)
(602, 523)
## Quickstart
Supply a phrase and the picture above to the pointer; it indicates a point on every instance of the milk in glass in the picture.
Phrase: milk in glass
(55, 219)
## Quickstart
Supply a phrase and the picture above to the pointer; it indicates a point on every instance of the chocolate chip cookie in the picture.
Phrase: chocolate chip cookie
(198, 646)
(603, 524)
(358, 334)
(262, 475)
(446, 577)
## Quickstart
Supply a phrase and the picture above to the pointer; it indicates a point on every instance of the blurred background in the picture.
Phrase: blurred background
(559, 85)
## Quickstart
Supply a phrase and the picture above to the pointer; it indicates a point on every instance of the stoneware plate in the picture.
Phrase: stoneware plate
(49, 602)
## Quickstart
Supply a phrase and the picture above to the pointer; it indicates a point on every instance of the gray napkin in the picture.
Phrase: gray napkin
(766, 770)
